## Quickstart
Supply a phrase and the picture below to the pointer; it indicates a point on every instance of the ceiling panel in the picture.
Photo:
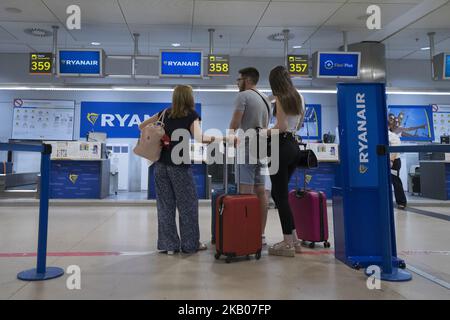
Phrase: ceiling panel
(230, 13)
(13, 48)
(103, 33)
(92, 11)
(157, 11)
(354, 14)
(414, 39)
(299, 14)
(32, 10)
(260, 37)
(223, 36)
(17, 29)
(437, 19)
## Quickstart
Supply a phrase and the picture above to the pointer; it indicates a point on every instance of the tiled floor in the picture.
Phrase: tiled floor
(116, 250)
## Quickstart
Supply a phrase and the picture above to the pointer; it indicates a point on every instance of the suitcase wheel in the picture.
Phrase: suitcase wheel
(248, 257)
(402, 265)
(312, 245)
(258, 255)
(228, 259)
(217, 255)
(356, 266)
(326, 244)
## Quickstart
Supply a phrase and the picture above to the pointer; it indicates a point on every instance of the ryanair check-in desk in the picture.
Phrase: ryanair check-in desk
(79, 170)
(435, 176)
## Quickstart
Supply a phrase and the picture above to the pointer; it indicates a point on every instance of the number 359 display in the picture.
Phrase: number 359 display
(218, 65)
(41, 63)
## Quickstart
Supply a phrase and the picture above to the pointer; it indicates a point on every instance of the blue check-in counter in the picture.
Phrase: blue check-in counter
(79, 179)
(435, 179)
(321, 178)
(199, 172)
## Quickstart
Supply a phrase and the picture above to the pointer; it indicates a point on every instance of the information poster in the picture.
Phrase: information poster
(43, 119)
(441, 121)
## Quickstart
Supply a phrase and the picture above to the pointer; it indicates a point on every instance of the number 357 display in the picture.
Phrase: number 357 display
(298, 65)
(41, 63)
(218, 65)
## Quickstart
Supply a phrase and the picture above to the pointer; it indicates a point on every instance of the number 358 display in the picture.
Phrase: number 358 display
(41, 63)
(298, 65)
(218, 65)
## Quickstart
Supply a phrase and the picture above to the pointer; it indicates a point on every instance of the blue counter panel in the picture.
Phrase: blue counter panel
(76, 179)
(199, 172)
(447, 179)
(322, 178)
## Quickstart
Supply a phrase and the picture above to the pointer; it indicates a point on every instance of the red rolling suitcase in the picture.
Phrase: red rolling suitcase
(309, 209)
(238, 224)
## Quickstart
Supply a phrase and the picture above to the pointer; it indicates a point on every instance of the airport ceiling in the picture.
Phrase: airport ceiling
(241, 27)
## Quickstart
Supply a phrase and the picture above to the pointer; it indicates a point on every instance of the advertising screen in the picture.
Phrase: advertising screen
(80, 62)
(447, 66)
(181, 63)
(413, 123)
(338, 64)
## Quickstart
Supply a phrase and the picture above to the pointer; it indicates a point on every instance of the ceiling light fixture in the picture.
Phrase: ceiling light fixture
(425, 48)
(95, 43)
(296, 47)
(38, 32)
(176, 44)
(13, 10)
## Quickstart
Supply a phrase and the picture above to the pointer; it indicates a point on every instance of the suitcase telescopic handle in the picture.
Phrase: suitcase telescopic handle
(225, 168)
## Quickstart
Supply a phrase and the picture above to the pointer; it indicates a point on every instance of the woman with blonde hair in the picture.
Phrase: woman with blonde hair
(174, 183)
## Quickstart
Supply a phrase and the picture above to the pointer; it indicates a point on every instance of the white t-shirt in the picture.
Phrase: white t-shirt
(394, 140)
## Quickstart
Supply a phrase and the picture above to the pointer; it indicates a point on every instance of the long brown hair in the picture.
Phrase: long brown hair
(282, 87)
(182, 101)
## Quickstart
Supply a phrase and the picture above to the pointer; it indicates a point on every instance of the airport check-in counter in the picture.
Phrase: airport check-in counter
(79, 170)
(435, 176)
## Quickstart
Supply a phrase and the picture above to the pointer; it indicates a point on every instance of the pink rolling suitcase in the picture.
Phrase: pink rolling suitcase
(309, 209)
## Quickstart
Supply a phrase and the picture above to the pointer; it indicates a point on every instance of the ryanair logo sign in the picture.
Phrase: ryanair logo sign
(80, 62)
(92, 118)
(118, 119)
(362, 133)
(73, 178)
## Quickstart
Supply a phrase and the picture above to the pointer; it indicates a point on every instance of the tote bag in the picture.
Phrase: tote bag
(149, 144)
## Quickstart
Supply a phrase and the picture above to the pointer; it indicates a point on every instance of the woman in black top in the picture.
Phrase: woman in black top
(174, 182)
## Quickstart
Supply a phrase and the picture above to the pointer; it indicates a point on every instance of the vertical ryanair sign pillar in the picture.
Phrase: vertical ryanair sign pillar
(363, 212)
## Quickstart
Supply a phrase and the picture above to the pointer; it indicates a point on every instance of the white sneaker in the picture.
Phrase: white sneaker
(282, 249)
(263, 240)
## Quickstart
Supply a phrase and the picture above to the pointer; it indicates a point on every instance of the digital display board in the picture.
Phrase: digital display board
(447, 66)
(80, 62)
(41, 63)
(218, 65)
(298, 65)
(181, 64)
(338, 64)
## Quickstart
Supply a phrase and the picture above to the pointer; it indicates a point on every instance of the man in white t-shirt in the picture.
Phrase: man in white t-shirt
(394, 140)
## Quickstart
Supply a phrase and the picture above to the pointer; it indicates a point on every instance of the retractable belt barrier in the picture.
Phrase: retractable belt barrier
(41, 272)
